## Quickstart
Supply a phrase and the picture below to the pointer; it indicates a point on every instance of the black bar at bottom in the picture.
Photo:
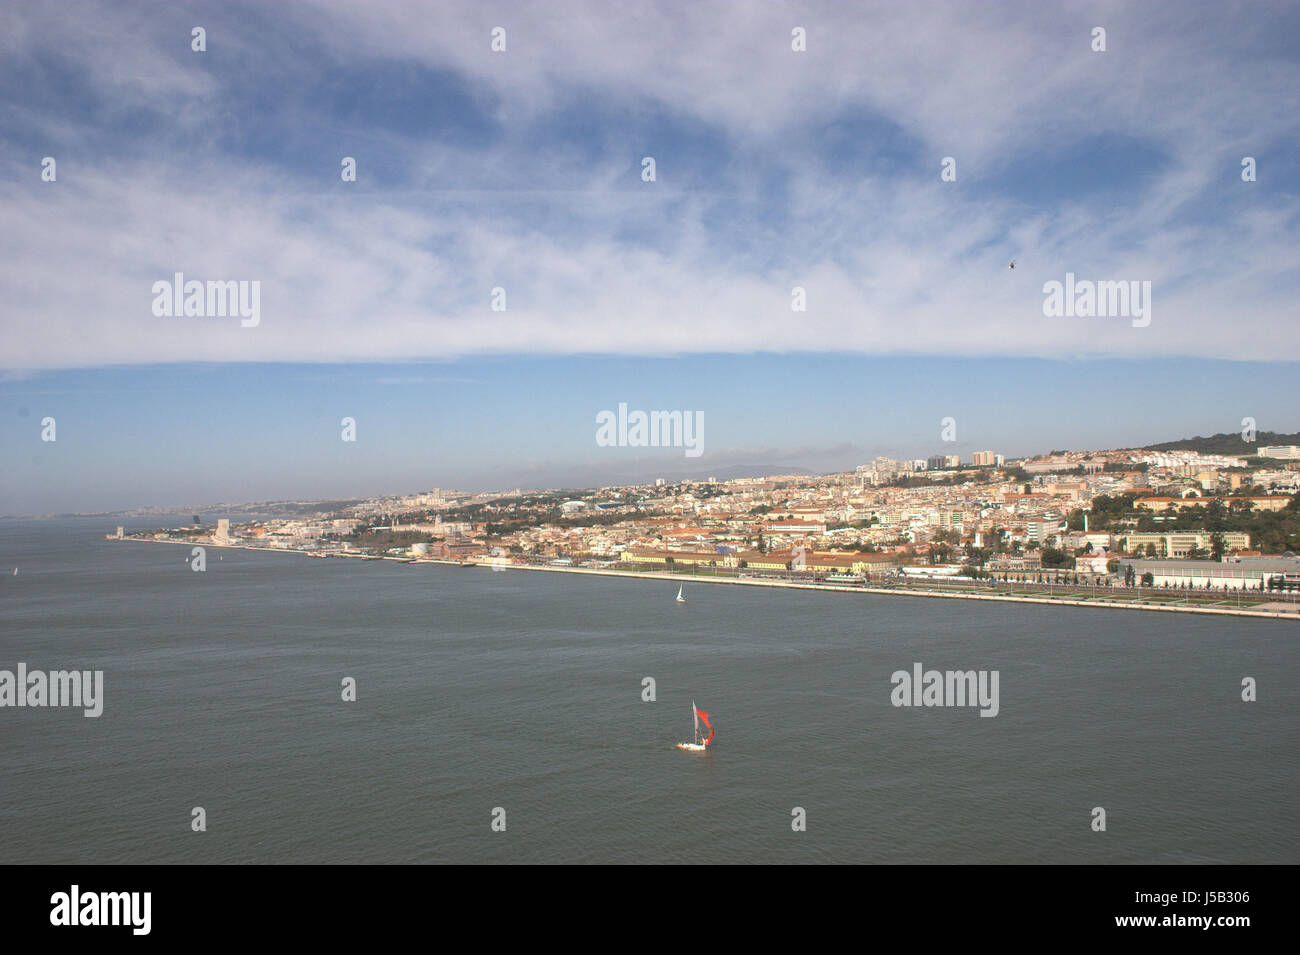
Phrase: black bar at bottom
(369, 903)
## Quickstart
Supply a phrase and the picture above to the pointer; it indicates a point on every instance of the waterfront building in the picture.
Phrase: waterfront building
(1244, 574)
(457, 549)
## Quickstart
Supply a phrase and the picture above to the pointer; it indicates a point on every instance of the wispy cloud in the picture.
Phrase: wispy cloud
(776, 170)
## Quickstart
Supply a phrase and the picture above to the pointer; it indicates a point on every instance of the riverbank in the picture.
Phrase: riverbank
(1091, 601)
(912, 591)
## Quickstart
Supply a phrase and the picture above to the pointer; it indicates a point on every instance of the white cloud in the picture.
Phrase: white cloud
(892, 264)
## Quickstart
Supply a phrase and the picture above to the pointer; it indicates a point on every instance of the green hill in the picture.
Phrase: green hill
(1226, 443)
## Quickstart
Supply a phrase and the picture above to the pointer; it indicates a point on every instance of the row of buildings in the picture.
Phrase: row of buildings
(1029, 517)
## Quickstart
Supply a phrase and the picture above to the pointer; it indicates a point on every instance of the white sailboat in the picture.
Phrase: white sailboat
(697, 746)
(680, 598)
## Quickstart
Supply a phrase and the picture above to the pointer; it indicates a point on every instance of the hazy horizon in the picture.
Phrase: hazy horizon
(261, 437)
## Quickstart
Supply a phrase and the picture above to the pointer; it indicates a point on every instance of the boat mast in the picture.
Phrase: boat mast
(696, 714)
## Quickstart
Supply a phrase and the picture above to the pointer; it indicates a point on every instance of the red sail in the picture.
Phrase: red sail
(705, 716)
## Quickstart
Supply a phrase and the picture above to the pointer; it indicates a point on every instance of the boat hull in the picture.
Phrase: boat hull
(692, 747)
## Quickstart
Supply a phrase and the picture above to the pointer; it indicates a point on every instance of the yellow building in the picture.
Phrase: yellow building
(677, 558)
(1273, 502)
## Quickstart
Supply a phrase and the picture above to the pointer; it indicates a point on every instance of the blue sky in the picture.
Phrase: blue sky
(522, 170)
(210, 433)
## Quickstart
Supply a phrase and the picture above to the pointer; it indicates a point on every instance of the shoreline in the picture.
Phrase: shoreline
(1095, 602)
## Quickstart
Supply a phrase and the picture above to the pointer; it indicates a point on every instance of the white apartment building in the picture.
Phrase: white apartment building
(1289, 452)
(1038, 531)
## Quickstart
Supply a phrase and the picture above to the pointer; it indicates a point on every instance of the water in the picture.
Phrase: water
(522, 690)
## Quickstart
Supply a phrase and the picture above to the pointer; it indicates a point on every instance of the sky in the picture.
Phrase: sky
(522, 170)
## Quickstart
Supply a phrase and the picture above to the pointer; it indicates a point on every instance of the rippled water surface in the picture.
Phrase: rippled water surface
(522, 690)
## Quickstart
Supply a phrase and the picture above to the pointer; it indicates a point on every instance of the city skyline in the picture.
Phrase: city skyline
(1156, 524)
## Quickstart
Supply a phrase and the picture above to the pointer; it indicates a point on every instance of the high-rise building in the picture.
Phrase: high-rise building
(1038, 531)
(983, 459)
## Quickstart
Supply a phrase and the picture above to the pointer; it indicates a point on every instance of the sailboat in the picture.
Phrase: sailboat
(697, 746)
(680, 598)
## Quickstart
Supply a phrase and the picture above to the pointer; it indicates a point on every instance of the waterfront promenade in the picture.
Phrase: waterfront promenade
(1113, 598)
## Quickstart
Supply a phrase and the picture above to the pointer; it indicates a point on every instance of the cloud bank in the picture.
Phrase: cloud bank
(521, 171)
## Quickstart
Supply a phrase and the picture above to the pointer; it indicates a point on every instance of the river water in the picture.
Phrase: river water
(522, 691)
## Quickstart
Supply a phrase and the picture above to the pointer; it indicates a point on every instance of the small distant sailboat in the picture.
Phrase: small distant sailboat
(680, 598)
(15, 571)
(697, 746)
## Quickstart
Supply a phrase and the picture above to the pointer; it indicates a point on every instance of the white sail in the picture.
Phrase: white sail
(697, 746)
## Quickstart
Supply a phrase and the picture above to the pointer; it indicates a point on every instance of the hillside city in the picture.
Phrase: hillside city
(1171, 519)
